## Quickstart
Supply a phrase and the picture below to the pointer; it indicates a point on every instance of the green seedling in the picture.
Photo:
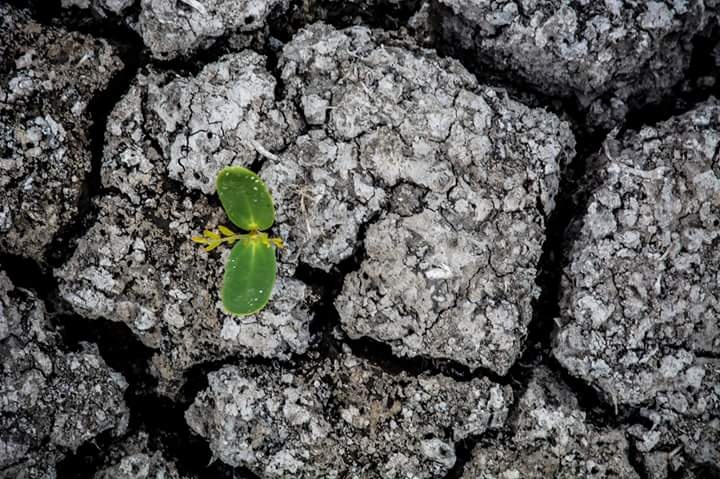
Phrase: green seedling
(250, 271)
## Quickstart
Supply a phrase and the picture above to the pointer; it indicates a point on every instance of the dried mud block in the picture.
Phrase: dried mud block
(48, 77)
(173, 28)
(610, 56)
(133, 458)
(552, 438)
(461, 176)
(342, 417)
(51, 401)
(136, 264)
(641, 297)
(101, 7)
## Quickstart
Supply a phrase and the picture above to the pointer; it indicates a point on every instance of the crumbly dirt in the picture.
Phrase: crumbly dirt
(502, 221)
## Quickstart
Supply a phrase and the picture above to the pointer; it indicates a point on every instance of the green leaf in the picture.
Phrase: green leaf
(245, 198)
(249, 275)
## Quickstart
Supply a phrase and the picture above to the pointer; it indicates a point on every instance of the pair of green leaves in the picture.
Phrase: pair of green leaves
(251, 269)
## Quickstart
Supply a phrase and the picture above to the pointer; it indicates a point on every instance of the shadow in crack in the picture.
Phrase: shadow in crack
(28, 274)
(701, 82)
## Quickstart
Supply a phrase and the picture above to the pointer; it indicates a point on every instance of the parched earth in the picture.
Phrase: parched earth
(502, 221)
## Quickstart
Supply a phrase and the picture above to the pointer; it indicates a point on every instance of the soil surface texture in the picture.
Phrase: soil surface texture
(501, 223)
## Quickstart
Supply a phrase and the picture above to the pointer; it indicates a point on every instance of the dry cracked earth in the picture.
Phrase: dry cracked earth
(503, 228)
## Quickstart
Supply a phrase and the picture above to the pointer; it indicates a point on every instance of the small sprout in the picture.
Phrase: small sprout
(226, 231)
(251, 268)
(211, 235)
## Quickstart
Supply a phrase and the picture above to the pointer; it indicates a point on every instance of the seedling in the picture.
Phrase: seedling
(250, 271)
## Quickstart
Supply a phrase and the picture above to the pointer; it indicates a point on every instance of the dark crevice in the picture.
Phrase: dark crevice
(192, 64)
(564, 224)
(128, 46)
(161, 418)
(333, 340)
(122, 352)
(382, 355)
(707, 471)
(561, 227)
(678, 465)
(196, 377)
(46, 12)
(707, 354)
(463, 455)
(326, 318)
(28, 274)
(701, 82)
(340, 14)
(110, 27)
(488, 74)
(257, 164)
(84, 462)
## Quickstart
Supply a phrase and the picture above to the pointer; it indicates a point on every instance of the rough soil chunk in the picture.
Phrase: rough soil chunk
(342, 417)
(641, 301)
(137, 265)
(470, 172)
(173, 28)
(101, 7)
(226, 114)
(133, 459)
(140, 466)
(552, 438)
(178, 28)
(47, 79)
(51, 401)
(610, 55)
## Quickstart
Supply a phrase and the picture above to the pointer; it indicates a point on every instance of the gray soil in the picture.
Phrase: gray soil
(502, 221)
